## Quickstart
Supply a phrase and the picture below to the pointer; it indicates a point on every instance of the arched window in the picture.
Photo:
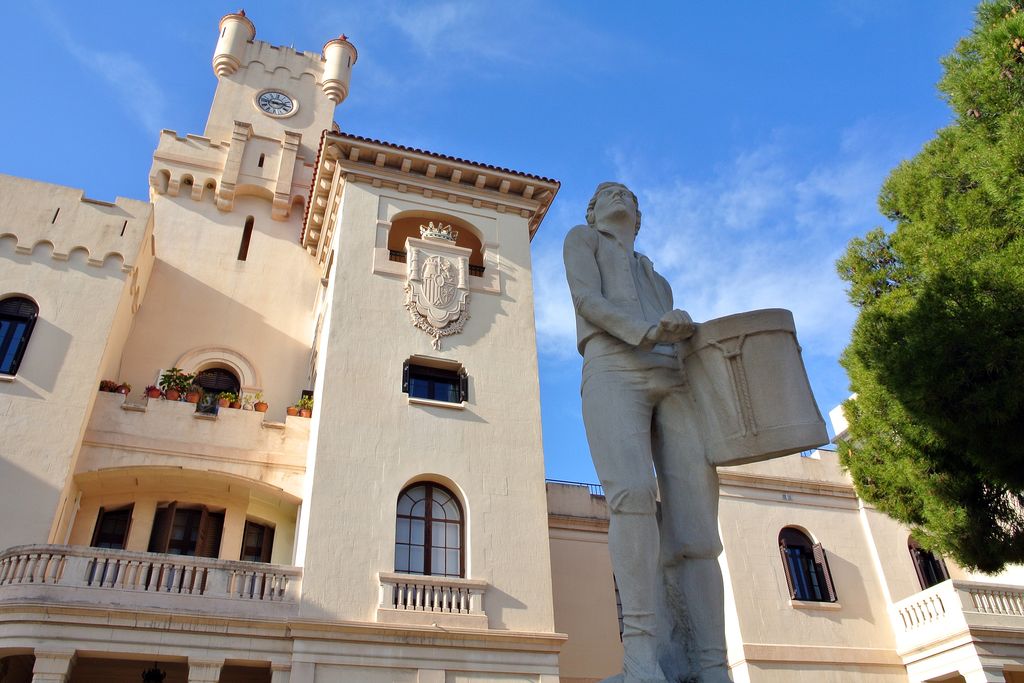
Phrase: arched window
(17, 318)
(806, 567)
(429, 532)
(931, 570)
(214, 381)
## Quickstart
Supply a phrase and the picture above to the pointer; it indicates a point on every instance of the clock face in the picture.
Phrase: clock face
(275, 103)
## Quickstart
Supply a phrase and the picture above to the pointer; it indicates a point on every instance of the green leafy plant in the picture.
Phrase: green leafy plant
(176, 379)
(936, 358)
(305, 403)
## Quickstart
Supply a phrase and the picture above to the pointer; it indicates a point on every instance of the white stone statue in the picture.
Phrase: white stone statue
(742, 396)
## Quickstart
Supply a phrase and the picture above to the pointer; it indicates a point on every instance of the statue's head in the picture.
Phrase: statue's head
(611, 188)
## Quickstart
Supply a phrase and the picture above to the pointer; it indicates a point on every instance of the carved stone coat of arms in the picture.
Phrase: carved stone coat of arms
(437, 289)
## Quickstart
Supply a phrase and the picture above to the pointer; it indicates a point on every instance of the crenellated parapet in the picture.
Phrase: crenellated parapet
(36, 215)
(207, 170)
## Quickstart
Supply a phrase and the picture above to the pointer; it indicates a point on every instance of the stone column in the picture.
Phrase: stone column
(53, 667)
(280, 673)
(204, 671)
(142, 524)
(302, 672)
(234, 530)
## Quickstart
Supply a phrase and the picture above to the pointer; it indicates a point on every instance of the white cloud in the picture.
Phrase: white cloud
(138, 91)
(757, 233)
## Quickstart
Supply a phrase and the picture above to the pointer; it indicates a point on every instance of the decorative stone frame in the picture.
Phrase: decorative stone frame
(206, 357)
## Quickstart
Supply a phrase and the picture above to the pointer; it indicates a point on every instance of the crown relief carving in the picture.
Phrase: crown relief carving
(441, 232)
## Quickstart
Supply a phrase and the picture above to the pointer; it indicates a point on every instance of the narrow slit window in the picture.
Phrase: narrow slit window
(55, 214)
(262, 159)
(243, 248)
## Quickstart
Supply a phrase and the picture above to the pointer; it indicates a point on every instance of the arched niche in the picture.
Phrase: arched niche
(208, 357)
(406, 225)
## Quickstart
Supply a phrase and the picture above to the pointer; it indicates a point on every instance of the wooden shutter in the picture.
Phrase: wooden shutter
(463, 386)
(822, 564)
(268, 544)
(96, 531)
(785, 568)
(162, 524)
(211, 529)
(405, 377)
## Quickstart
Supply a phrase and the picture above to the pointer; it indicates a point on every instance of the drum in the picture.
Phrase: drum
(751, 388)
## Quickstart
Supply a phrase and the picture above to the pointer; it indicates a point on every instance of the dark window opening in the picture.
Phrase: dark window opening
(429, 532)
(193, 531)
(55, 214)
(213, 381)
(17, 318)
(243, 248)
(257, 542)
(435, 384)
(260, 162)
(806, 567)
(931, 569)
(112, 528)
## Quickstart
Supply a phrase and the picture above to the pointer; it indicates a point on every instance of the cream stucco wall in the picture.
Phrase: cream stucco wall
(83, 263)
(372, 441)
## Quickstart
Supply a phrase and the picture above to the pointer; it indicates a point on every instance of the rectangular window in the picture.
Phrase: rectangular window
(186, 531)
(112, 528)
(435, 384)
(258, 542)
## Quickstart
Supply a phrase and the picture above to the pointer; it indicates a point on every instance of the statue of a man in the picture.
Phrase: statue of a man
(641, 418)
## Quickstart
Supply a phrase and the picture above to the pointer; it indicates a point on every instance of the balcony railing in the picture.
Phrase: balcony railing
(400, 257)
(595, 489)
(457, 601)
(64, 572)
(951, 607)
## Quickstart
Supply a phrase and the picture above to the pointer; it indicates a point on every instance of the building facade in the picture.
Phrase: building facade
(403, 531)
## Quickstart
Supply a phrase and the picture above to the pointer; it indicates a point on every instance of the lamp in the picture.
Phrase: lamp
(154, 675)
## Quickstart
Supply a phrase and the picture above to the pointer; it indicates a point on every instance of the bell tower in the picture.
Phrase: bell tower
(276, 89)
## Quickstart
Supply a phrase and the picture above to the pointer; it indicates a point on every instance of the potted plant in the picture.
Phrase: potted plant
(225, 398)
(153, 391)
(236, 402)
(194, 393)
(259, 405)
(174, 382)
(124, 388)
(292, 410)
(108, 386)
(247, 401)
(305, 406)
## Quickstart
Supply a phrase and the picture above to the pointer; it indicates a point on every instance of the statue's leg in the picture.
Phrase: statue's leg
(690, 543)
(617, 416)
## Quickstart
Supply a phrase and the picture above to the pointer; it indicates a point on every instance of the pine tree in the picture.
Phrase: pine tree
(937, 354)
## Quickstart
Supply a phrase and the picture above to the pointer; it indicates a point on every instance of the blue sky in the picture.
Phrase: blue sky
(756, 134)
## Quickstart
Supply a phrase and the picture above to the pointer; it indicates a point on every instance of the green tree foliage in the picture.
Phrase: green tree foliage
(937, 354)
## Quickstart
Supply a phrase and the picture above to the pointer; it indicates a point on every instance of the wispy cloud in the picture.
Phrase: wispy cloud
(125, 76)
(760, 232)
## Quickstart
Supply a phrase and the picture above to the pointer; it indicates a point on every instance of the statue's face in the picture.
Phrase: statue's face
(615, 202)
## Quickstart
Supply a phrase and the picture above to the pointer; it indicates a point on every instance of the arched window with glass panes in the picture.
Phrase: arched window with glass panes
(806, 567)
(429, 532)
(17, 318)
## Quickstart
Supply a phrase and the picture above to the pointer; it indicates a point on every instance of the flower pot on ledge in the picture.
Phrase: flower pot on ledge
(172, 395)
(305, 412)
(261, 407)
(235, 404)
(153, 392)
(293, 410)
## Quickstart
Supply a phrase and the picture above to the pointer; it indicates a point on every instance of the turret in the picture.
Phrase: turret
(339, 55)
(235, 31)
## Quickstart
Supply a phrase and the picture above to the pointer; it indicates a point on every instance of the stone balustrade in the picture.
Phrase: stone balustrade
(75, 574)
(953, 607)
(434, 600)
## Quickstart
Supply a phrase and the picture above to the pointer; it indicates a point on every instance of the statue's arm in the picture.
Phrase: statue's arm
(584, 276)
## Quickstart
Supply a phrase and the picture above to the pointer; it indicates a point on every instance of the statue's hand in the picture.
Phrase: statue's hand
(676, 325)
